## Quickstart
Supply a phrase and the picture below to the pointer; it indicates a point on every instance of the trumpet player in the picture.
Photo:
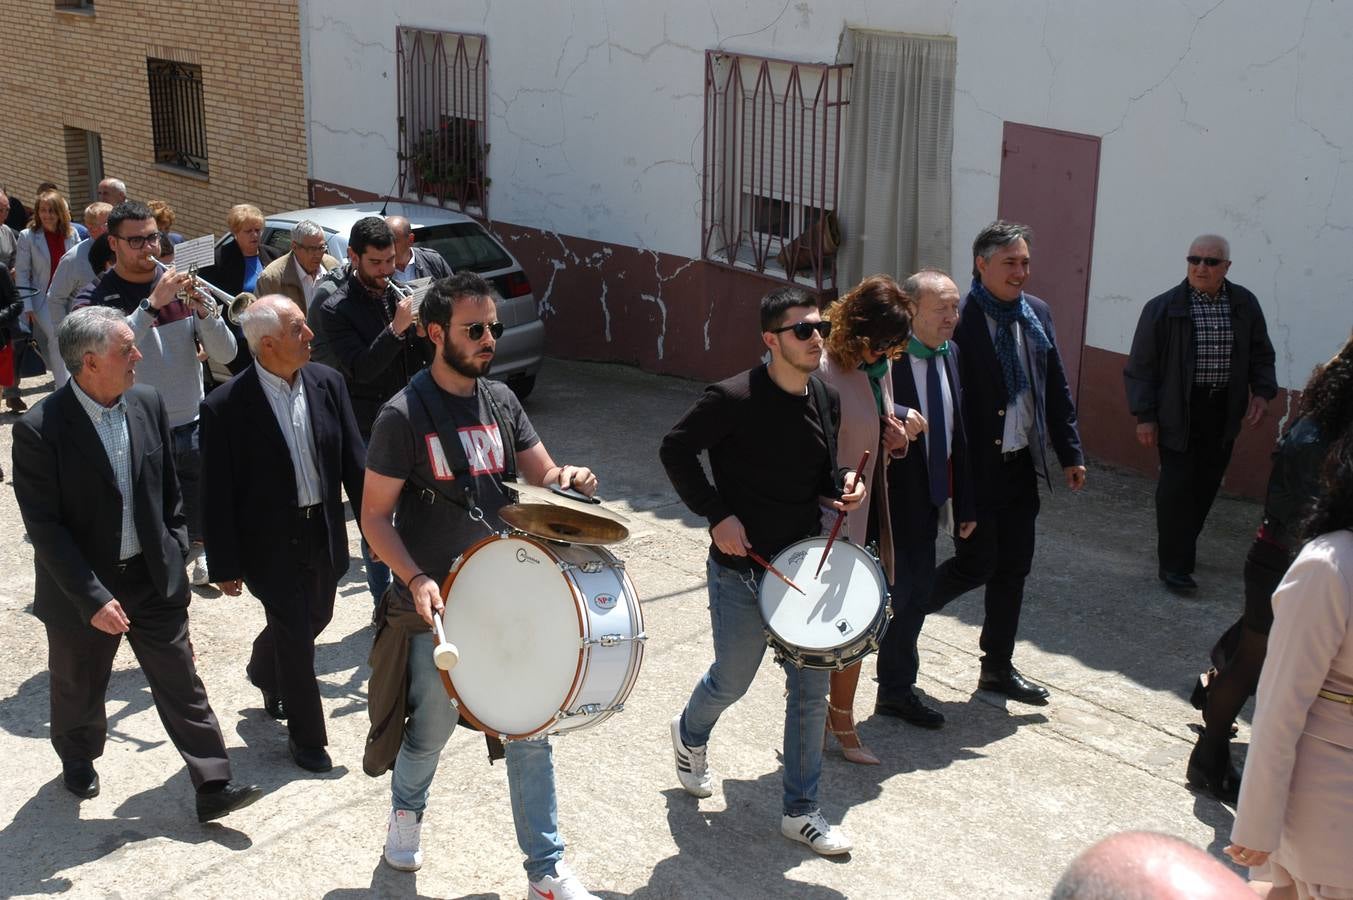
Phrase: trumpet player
(167, 331)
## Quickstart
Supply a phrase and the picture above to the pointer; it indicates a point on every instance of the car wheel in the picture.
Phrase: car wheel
(522, 385)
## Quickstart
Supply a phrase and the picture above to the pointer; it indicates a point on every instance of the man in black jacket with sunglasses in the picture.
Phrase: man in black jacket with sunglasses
(1201, 362)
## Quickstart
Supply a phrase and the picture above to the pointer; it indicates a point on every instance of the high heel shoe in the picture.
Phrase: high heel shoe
(858, 753)
(1212, 772)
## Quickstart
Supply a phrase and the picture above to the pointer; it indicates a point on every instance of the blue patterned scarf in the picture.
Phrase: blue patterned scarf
(1003, 314)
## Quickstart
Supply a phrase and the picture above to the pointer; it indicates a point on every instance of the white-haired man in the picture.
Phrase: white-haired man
(295, 274)
(111, 191)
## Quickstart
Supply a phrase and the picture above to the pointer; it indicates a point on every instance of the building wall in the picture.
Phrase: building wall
(1213, 117)
(87, 70)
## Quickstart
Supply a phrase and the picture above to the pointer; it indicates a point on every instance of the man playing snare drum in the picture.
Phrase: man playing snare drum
(768, 433)
(440, 448)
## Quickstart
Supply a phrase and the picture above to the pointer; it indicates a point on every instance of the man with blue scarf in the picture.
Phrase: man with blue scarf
(1015, 402)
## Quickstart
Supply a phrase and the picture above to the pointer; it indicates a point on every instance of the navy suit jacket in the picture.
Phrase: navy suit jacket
(985, 399)
(915, 517)
(249, 484)
(72, 508)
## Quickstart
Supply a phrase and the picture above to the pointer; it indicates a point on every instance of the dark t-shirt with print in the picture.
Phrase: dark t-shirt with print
(404, 445)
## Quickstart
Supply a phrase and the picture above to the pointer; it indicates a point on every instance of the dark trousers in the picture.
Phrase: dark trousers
(910, 595)
(1189, 480)
(81, 661)
(283, 658)
(999, 555)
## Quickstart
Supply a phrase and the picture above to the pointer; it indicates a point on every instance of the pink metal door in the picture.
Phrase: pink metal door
(1049, 180)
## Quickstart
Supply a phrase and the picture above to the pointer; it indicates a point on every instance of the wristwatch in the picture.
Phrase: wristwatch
(145, 306)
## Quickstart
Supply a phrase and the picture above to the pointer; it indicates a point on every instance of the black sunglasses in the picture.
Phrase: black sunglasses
(476, 330)
(1209, 261)
(804, 330)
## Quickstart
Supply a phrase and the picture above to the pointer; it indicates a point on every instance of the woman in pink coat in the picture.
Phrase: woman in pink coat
(870, 326)
(1296, 799)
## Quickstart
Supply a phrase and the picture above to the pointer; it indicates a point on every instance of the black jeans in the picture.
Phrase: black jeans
(1189, 480)
(999, 555)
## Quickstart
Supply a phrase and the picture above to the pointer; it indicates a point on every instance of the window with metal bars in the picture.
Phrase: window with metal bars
(442, 87)
(74, 4)
(772, 165)
(177, 114)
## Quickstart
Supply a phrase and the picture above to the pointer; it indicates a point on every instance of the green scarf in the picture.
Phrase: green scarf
(921, 351)
(876, 371)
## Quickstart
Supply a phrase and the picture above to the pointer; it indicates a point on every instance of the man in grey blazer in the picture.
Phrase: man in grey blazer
(94, 478)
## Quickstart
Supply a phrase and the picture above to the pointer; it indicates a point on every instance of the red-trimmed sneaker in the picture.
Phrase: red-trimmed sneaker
(562, 885)
(403, 842)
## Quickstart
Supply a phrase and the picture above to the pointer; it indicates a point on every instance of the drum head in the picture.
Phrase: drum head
(842, 602)
(512, 614)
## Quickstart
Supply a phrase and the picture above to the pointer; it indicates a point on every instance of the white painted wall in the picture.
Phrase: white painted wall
(1216, 115)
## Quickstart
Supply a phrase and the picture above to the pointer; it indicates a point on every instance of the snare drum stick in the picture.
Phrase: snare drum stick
(774, 571)
(445, 655)
(840, 517)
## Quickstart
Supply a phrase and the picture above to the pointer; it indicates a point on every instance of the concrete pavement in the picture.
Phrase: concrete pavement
(993, 805)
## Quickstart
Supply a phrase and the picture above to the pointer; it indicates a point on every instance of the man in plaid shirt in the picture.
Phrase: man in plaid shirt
(1201, 363)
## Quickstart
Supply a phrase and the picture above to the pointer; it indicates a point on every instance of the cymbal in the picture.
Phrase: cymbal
(562, 523)
(532, 494)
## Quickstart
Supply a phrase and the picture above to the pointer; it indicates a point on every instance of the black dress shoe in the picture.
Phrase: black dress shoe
(909, 708)
(212, 804)
(80, 779)
(1014, 685)
(312, 759)
(1212, 772)
(272, 705)
(1178, 582)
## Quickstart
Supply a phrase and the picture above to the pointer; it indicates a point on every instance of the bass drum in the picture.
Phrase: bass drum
(550, 636)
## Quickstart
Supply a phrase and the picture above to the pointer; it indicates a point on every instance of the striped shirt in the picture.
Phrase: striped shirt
(110, 423)
(1212, 336)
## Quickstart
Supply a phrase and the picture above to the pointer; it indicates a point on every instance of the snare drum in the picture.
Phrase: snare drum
(843, 616)
(550, 636)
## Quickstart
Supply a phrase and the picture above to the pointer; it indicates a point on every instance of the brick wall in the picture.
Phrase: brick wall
(87, 70)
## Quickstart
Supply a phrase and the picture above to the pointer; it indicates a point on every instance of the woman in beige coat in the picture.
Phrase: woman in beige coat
(1296, 799)
(870, 326)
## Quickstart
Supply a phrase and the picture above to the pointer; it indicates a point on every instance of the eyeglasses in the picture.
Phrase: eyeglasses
(137, 241)
(476, 329)
(1209, 261)
(318, 249)
(804, 330)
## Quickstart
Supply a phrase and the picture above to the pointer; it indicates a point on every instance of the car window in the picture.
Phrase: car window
(278, 238)
(465, 246)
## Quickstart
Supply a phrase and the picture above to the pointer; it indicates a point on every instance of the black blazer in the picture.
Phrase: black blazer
(915, 518)
(249, 485)
(71, 507)
(985, 400)
(227, 273)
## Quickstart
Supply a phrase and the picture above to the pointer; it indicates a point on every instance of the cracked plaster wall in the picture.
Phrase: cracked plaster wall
(1228, 116)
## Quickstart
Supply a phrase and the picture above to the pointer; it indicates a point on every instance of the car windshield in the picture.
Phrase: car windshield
(464, 245)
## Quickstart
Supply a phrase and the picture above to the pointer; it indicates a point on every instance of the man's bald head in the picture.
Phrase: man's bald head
(1145, 865)
(403, 233)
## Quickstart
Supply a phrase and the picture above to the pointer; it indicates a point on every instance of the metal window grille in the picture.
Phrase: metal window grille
(772, 165)
(74, 4)
(177, 114)
(442, 87)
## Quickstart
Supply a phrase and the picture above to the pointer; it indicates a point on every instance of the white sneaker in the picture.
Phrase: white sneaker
(812, 829)
(692, 768)
(403, 847)
(562, 885)
(197, 565)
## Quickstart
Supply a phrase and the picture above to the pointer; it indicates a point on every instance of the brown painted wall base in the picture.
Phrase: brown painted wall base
(666, 314)
(1108, 430)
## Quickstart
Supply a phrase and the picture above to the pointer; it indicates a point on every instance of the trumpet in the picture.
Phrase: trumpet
(211, 298)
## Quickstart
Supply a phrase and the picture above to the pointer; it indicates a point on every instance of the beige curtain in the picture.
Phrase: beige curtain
(897, 168)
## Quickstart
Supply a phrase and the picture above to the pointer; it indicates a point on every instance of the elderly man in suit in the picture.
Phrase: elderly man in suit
(95, 483)
(1015, 399)
(279, 528)
(921, 485)
(412, 263)
(294, 274)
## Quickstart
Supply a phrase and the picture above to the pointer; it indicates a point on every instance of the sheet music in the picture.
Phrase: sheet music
(200, 252)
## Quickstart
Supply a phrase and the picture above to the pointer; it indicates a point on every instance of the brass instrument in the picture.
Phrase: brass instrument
(211, 298)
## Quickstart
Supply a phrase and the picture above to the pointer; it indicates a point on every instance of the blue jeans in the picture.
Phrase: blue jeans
(739, 645)
(377, 574)
(188, 467)
(530, 764)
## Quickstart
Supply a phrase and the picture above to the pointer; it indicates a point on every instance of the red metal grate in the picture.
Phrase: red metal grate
(442, 94)
(772, 165)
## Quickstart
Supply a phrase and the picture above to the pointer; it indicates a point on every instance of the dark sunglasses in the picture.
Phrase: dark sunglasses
(476, 330)
(804, 330)
(1209, 261)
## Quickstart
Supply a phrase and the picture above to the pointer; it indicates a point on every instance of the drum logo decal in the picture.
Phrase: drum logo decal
(524, 557)
(796, 558)
(604, 601)
(843, 626)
